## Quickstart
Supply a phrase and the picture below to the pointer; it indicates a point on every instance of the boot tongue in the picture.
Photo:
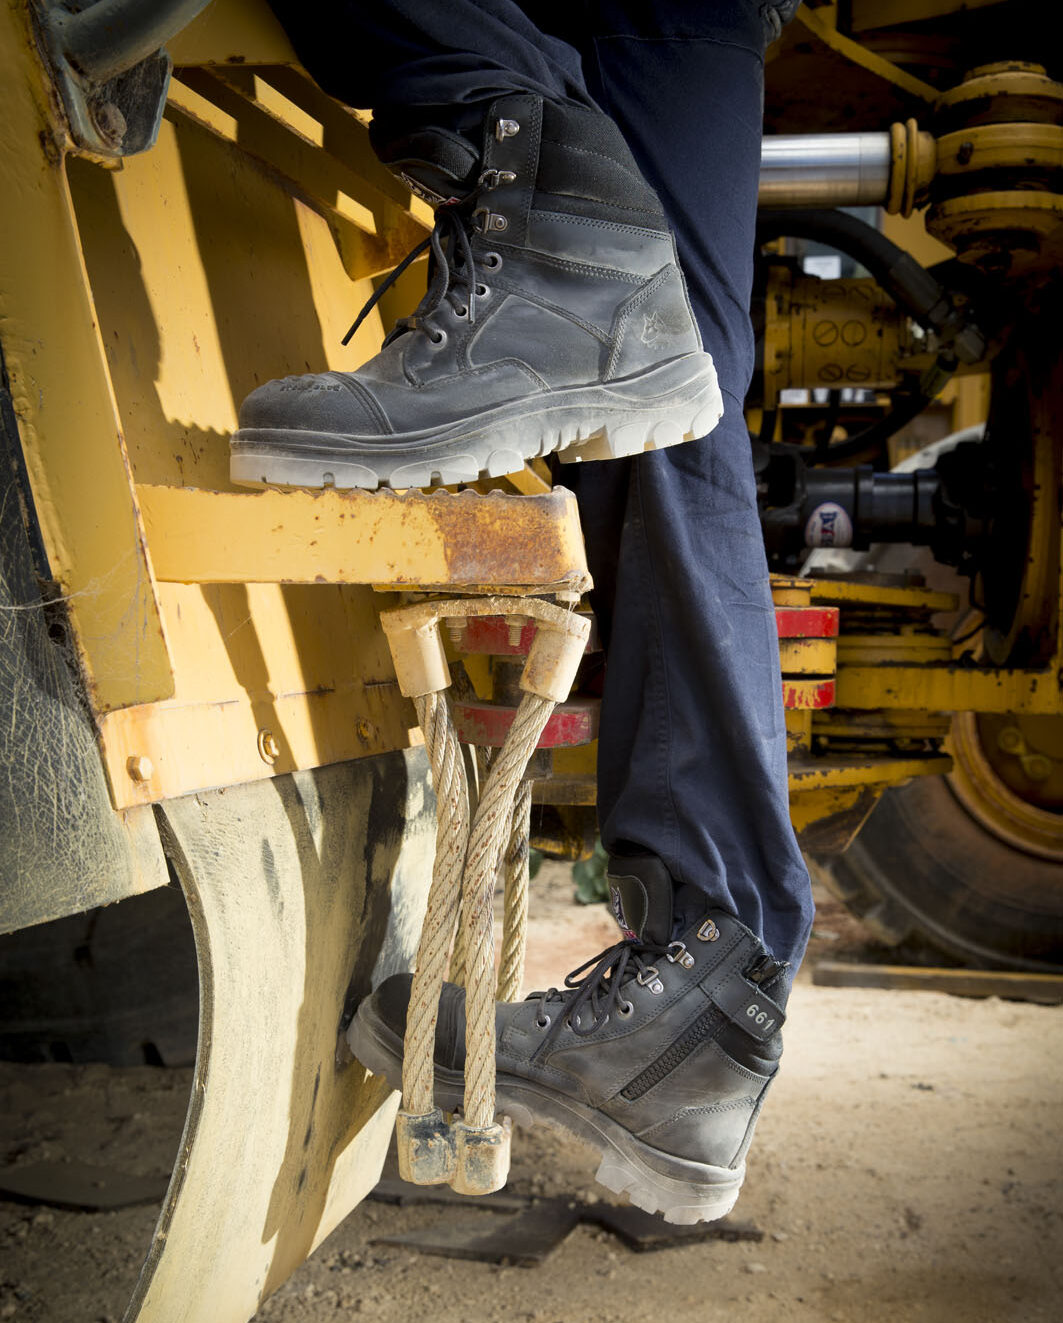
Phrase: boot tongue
(640, 894)
(437, 164)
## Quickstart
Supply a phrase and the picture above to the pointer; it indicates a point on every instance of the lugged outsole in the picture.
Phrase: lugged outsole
(662, 407)
(627, 1167)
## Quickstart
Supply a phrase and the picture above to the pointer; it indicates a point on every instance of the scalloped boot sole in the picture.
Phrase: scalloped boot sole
(670, 403)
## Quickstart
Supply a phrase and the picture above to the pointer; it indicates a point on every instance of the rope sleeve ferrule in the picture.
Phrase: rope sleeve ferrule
(426, 1148)
(472, 1154)
(482, 1157)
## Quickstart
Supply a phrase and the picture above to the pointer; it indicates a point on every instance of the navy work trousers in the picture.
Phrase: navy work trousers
(692, 763)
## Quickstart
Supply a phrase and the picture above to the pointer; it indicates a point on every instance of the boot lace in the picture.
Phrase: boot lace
(598, 985)
(452, 273)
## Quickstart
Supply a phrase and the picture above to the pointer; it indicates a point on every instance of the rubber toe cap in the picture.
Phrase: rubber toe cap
(330, 402)
(390, 1002)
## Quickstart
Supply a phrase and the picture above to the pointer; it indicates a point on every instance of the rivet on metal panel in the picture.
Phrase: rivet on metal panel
(139, 767)
(268, 748)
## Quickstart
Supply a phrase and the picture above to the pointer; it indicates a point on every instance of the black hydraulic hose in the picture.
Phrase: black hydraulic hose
(112, 36)
(910, 285)
(902, 413)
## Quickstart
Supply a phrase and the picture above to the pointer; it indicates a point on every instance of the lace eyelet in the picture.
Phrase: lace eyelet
(439, 339)
(482, 291)
(625, 1009)
(677, 954)
(461, 312)
(492, 261)
(542, 1022)
(650, 978)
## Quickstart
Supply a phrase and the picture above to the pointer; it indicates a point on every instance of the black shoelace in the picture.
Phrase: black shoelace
(599, 989)
(452, 273)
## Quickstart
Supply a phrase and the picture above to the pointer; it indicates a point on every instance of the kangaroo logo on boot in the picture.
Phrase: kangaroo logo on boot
(657, 327)
(616, 904)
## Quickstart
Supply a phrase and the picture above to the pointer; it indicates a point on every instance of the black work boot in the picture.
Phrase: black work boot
(660, 1056)
(556, 319)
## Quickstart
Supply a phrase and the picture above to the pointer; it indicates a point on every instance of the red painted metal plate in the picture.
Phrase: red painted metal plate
(491, 635)
(571, 723)
(808, 693)
(807, 622)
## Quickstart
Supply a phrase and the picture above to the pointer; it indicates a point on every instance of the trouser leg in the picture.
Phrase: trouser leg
(692, 762)
(429, 61)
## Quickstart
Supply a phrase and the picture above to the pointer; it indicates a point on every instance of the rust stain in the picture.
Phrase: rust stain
(501, 539)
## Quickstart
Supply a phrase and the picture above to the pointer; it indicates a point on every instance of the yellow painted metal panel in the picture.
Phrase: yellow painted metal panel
(837, 772)
(208, 280)
(836, 592)
(244, 31)
(375, 229)
(821, 25)
(948, 689)
(70, 431)
(262, 689)
(807, 656)
(812, 809)
(443, 539)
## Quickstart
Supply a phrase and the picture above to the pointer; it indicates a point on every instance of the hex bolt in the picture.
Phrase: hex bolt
(139, 767)
(516, 629)
(456, 629)
(268, 748)
(1009, 740)
(1037, 767)
(109, 122)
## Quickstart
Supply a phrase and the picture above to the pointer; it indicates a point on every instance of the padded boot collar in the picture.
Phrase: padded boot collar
(640, 895)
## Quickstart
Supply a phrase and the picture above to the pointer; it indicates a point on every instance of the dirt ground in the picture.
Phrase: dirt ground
(907, 1169)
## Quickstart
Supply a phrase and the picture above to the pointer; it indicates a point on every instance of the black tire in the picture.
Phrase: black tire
(117, 985)
(924, 871)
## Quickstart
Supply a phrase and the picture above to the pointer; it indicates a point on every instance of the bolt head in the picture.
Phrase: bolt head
(1037, 767)
(268, 748)
(109, 121)
(139, 767)
(1010, 740)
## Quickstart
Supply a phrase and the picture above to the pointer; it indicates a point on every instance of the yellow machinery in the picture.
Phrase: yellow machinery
(194, 682)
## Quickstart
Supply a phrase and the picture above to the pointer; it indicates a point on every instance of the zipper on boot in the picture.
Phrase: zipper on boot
(705, 1027)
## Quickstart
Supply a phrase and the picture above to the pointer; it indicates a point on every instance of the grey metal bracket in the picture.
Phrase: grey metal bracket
(109, 67)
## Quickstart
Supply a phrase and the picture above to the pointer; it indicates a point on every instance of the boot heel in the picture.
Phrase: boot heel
(678, 1202)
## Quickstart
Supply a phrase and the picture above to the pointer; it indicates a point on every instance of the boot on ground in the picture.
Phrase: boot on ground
(658, 1053)
(556, 319)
